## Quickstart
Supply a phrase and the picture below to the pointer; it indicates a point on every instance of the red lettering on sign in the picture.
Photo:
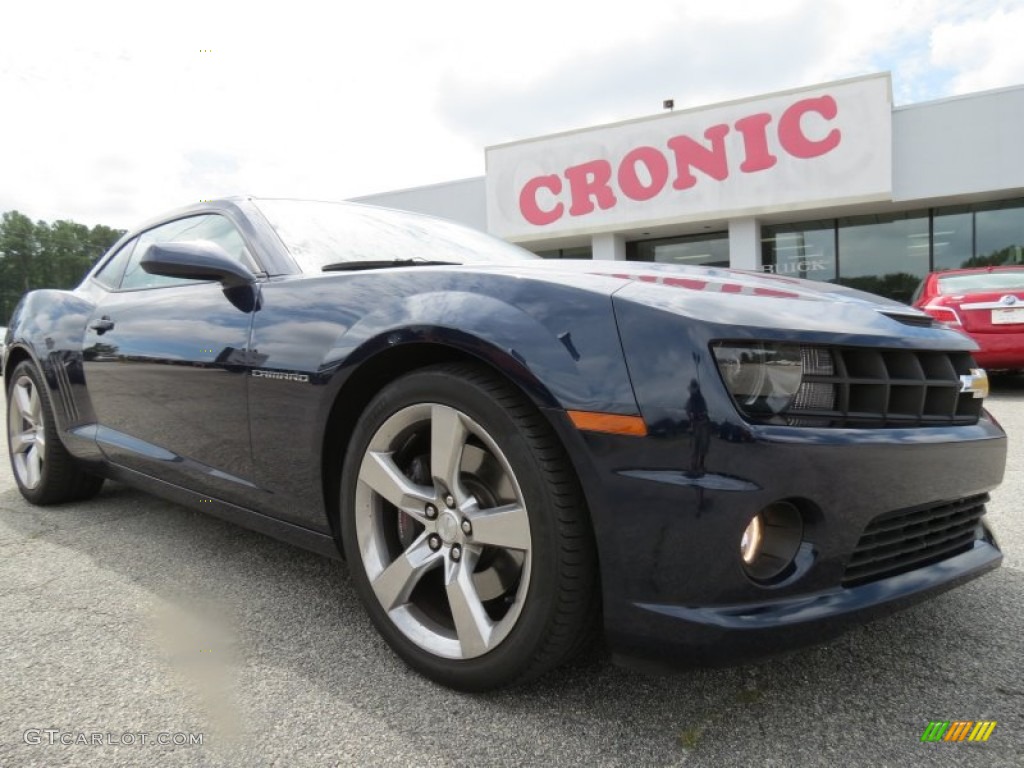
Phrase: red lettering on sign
(657, 168)
(643, 172)
(754, 130)
(529, 206)
(590, 180)
(689, 153)
(791, 131)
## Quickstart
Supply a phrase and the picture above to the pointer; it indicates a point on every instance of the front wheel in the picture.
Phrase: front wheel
(465, 530)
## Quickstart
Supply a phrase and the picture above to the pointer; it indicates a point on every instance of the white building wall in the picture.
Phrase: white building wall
(745, 244)
(965, 145)
(609, 247)
(464, 201)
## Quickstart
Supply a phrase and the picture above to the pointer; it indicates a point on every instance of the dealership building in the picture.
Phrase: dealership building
(830, 182)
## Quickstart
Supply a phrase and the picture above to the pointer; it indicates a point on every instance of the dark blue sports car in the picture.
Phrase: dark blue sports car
(512, 452)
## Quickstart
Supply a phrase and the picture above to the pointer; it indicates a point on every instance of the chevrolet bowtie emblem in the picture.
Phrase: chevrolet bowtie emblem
(975, 382)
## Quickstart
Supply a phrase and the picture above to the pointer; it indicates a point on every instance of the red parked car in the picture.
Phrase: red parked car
(987, 304)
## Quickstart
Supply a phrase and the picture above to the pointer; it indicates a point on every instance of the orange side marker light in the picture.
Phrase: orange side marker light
(612, 423)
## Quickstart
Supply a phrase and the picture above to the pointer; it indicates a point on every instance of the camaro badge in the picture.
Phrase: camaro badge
(975, 382)
(303, 378)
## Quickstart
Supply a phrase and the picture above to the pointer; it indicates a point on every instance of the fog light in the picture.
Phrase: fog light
(770, 542)
(750, 543)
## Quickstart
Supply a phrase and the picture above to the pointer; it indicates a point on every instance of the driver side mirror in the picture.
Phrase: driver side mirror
(196, 260)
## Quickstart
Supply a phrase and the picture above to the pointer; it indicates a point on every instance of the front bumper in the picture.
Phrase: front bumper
(674, 635)
(674, 586)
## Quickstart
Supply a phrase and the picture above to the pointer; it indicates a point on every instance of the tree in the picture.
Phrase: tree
(18, 248)
(42, 255)
(1011, 254)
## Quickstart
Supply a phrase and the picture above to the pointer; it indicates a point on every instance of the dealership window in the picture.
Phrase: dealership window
(711, 250)
(801, 250)
(999, 233)
(988, 234)
(886, 255)
(952, 237)
(889, 254)
(581, 252)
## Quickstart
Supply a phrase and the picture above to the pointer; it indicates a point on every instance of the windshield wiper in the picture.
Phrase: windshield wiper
(347, 266)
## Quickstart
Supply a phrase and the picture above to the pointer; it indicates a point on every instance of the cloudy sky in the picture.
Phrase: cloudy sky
(116, 111)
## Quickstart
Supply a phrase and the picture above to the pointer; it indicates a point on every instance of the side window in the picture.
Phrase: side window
(219, 230)
(212, 227)
(110, 273)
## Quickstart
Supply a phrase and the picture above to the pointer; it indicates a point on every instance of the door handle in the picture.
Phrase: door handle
(102, 325)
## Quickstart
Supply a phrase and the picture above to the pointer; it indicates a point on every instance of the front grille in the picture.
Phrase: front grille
(866, 387)
(902, 541)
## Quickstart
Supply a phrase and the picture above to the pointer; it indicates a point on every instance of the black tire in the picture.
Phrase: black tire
(47, 476)
(510, 468)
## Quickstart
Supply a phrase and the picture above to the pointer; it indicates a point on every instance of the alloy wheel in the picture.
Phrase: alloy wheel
(443, 531)
(26, 431)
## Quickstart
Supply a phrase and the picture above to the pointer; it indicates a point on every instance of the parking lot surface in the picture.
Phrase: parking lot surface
(126, 621)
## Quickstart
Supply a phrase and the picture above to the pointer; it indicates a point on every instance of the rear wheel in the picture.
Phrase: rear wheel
(465, 530)
(43, 469)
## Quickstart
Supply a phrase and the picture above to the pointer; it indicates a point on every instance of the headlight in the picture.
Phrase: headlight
(762, 378)
(767, 380)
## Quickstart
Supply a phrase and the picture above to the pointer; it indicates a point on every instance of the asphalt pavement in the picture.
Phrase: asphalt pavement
(127, 621)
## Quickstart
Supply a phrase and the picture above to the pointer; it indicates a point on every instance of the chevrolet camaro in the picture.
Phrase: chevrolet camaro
(515, 455)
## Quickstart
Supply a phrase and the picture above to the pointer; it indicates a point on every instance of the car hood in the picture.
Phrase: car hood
(705, 279)
(729, 297)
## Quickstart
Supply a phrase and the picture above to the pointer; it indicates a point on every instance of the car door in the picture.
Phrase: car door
(165, 367)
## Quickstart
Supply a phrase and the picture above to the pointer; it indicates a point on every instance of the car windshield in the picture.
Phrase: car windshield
(978, 282)
(318, 234)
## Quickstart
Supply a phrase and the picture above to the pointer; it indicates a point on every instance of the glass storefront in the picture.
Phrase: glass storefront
(952, 237)
(805, 250)
(999, 233)
(710, 250)
(889, 254)
(886, 255)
